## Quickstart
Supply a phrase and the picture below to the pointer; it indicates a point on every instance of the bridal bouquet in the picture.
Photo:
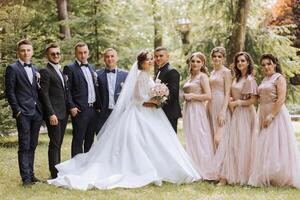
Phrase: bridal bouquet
(159, 92)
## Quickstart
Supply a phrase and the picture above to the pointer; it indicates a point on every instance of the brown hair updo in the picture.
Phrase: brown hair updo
(142, 56)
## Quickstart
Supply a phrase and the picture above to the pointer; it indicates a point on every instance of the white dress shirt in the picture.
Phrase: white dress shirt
(89, 79)
(57, 68)
(111, 84)
(28, 71)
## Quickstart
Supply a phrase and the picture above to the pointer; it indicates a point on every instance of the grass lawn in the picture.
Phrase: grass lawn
(11, 189)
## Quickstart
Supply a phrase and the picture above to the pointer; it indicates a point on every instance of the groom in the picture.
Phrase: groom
(111, 80)
(170, 76)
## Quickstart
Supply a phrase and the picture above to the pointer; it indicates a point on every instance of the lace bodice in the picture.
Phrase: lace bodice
(142, 88)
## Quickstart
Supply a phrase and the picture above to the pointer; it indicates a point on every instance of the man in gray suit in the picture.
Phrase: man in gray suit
(110, 80)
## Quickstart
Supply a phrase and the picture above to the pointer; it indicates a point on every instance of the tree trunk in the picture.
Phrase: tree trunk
(157, 27)
(62, 12)
(296, 13)
(238, 36)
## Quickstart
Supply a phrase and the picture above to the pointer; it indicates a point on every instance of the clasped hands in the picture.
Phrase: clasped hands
(151, 103)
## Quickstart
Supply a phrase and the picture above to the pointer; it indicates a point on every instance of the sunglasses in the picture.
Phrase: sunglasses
(55, 54)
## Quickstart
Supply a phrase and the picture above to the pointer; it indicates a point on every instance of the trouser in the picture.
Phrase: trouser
(101, 119)
(28, 134)
(56, 134)
(83, 131)
(174, 124)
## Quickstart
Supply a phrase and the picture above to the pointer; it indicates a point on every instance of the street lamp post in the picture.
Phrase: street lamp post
(184, 27)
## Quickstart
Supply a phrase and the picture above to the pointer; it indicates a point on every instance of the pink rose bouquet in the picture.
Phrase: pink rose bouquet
(159, 92)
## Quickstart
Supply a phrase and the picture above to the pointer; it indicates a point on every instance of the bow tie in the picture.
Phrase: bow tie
(27, 65)
(84, 65)
(110, 71)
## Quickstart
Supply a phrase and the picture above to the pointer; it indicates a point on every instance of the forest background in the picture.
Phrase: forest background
(183, 26)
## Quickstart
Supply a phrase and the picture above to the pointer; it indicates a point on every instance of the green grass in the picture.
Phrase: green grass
(11, 189)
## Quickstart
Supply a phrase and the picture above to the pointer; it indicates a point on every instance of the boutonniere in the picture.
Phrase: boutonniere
(121, 84)
(95, 75)
(38, 78)
(66, 78)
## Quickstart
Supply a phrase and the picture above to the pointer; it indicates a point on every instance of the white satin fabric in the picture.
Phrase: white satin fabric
(138, 146)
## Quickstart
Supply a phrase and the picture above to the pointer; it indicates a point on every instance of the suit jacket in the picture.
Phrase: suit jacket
(78, 87)
(21, 94)
(103, 86)
(53, 93)
(171, 78)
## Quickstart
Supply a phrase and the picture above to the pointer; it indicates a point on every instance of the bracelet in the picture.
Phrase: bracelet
(239, 102)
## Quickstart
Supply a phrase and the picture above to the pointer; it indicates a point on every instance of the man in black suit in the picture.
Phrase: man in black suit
(110, 80)
(22, 84)
(53, 95)
(170, 76)
(83, 99)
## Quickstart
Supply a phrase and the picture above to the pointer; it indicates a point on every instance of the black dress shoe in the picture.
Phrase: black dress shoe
(27, 184)
(34, 179)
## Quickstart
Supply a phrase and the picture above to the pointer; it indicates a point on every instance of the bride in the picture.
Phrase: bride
(136, 146)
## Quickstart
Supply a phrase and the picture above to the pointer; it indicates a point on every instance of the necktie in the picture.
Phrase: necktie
(110, 71)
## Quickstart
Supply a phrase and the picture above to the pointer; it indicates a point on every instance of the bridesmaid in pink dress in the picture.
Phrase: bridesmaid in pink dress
(196, 126)
(220, 83)
(238, 144)
(276, 157)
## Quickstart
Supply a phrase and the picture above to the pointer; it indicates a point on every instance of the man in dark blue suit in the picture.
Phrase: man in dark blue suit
(22, 84)
(83, 99)
(111, 80)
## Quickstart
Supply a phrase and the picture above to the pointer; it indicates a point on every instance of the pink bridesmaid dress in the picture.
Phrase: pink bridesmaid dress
(197, 130)
(217, 85)
(276, 155)
(238, 144)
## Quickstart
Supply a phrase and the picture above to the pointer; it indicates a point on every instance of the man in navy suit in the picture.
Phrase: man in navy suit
(83, 99)
(53, 95)
(22, 84)
(111, 80)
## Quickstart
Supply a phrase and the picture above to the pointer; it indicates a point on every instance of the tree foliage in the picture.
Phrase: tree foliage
(129, 26)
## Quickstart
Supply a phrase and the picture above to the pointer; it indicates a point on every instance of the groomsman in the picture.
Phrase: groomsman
(54, 99)
(110, 80)
(83, 99)
(170, 76)
(21, 81)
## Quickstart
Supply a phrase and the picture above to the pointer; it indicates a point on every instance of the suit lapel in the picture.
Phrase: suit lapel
(103, 79)
(55, 74)
(118, 82)
(24, 74)
(80, 71)
(163, 72)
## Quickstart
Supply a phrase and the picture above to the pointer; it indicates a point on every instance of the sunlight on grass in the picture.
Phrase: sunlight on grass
(11, 189)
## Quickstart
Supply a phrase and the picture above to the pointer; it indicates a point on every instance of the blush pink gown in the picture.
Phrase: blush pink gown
(238, 144)
(276, 157)
(197, 130)
(217, 85)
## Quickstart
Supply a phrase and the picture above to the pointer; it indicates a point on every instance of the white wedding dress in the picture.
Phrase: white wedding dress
(137, 146)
